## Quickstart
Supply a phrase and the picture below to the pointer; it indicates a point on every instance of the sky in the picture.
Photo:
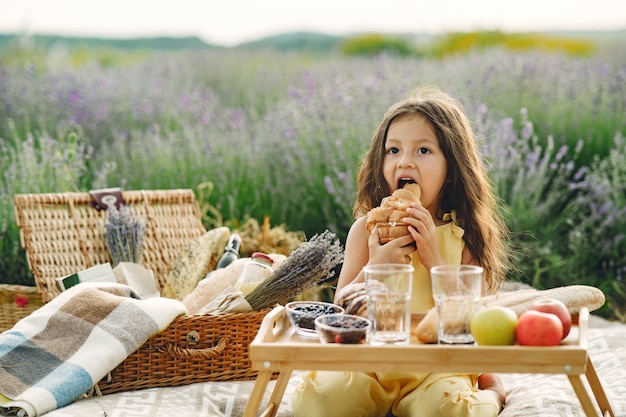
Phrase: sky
(232, 22)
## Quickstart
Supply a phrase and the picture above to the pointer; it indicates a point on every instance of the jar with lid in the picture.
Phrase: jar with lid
(255, 271)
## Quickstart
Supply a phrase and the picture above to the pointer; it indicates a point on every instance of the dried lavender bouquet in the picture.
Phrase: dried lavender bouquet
(306, 267)
(124, 234)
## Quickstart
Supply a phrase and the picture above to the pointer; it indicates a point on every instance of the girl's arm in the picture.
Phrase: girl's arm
(363, 248)
(423, 229)
(356, 254)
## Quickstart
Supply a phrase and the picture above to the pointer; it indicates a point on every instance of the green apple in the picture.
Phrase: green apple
(494, 325)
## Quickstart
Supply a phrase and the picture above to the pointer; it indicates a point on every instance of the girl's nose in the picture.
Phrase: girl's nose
(406, 162)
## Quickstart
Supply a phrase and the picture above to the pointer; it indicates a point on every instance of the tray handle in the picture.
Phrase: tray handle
(274, 323)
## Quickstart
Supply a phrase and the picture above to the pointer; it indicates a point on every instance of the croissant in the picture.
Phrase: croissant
(352, 299)
(388, 216)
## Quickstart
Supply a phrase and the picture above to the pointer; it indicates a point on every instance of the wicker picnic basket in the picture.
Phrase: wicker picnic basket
(62, 234)
(17, 302)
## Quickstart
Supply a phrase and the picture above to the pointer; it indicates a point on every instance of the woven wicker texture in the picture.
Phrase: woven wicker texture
(17, 302)
(63, 233)
(192, 349)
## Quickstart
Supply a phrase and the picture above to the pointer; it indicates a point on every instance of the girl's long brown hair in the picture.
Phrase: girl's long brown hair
(468, 189)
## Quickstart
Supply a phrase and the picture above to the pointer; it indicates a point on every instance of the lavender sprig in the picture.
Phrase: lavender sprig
(124, 235)
(307, 266)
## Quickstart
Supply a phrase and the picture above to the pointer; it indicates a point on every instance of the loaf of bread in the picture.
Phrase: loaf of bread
(574, 297)
(388, 216)
(214, 283)
(193, 263)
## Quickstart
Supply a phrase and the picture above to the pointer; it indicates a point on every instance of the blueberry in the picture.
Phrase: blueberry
(354, 336)
(308, 314)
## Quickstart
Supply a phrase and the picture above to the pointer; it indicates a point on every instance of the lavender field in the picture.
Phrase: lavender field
(281, 135)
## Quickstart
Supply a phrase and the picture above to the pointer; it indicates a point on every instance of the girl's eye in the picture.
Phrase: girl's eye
(423, 150)
(393, 150)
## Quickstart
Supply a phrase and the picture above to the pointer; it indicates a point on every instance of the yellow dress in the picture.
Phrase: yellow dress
(374, 394)
(450, 244)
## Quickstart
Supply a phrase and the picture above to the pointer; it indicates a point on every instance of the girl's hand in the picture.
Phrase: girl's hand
(398, 250)
(424, 232)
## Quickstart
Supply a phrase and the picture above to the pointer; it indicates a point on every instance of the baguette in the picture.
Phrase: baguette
(195, 261)
(574, 297)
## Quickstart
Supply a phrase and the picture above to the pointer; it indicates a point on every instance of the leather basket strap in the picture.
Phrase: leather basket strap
(107, 197)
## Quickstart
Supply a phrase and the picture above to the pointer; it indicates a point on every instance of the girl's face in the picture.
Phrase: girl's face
(412, 154)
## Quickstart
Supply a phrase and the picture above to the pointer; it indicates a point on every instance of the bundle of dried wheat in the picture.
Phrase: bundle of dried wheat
(267, 240)
(307, 266)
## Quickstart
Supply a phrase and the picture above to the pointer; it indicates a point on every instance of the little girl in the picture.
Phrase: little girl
(426, 139)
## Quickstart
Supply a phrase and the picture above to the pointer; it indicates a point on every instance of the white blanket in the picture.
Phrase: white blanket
(56, 354)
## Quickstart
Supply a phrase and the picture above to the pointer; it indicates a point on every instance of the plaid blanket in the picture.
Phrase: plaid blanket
(55, 355)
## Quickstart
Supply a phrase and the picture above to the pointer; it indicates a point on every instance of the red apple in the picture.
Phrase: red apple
(536, 328)
(554, 306)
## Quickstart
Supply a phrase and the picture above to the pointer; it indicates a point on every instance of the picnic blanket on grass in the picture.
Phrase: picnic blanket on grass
(528, 395)
(59, 352)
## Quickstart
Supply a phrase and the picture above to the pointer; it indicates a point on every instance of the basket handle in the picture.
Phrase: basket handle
(208, 353)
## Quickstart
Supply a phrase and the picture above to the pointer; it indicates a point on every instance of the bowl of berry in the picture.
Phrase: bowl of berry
(302, 315)
(342, 328)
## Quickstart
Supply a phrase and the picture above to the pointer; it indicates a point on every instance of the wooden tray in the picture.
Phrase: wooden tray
(277, 348)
